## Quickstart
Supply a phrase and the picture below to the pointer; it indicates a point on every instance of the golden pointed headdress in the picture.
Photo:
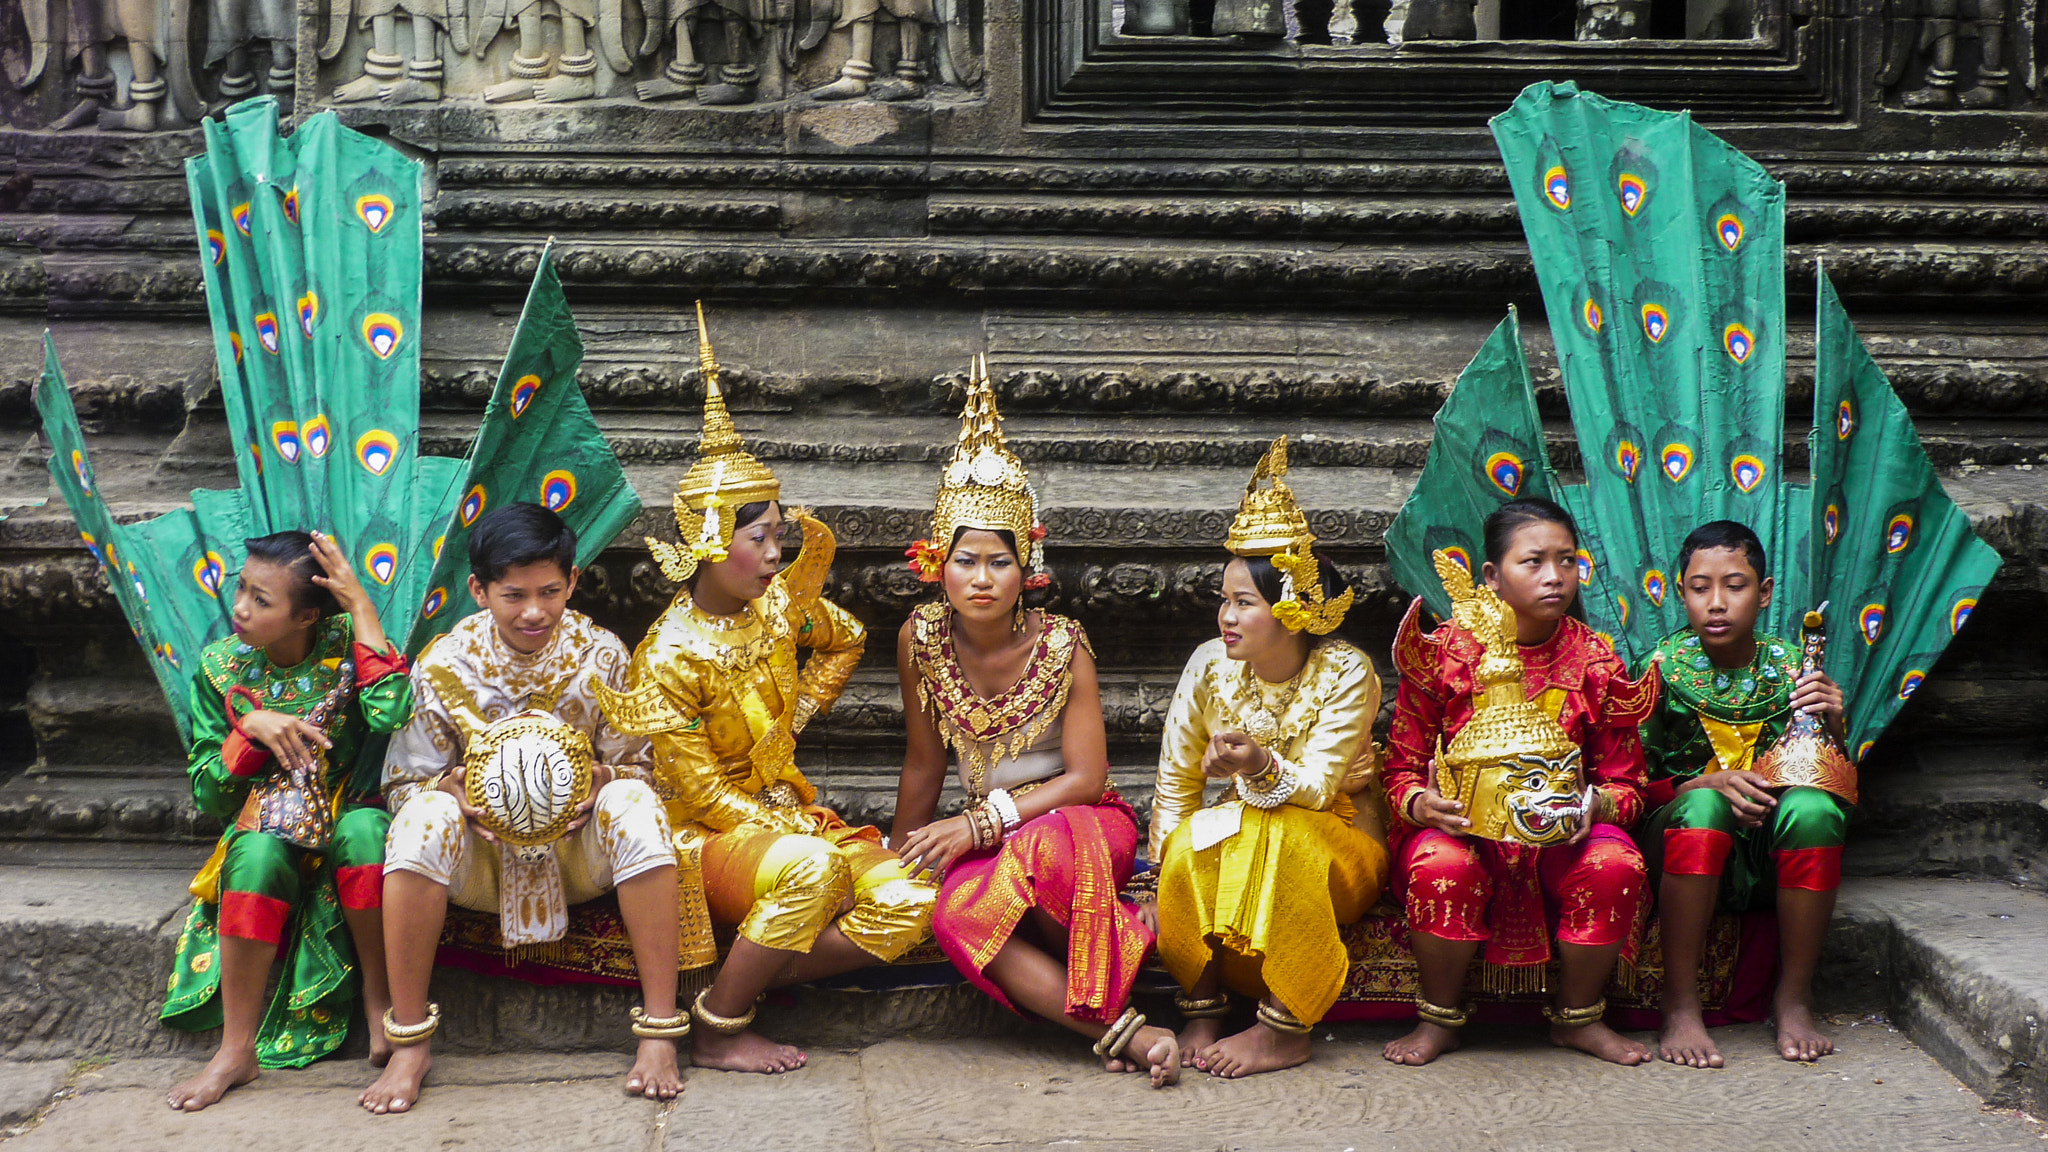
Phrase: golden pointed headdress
(724, 479)
(1269, 523)
(1512, 765)
(984, 486)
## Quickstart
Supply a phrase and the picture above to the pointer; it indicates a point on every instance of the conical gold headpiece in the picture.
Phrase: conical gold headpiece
(724, 479)
(984, 485)
(1268, 521)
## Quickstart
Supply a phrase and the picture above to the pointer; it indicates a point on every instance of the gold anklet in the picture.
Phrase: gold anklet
(1441, 1016)
(1281, 1020)
(1576, 1017)
(1214, 1007)
(407, 1035)
(647, 1027)
(723, 1025)
(1120, 1034)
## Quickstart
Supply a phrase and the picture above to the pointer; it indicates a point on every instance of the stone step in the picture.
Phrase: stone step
(86, 933)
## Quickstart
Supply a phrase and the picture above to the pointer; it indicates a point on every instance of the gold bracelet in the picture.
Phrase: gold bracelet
(1576, 1017)
(647, 1027)
(1281, 1020)
(407, 1035)
(1441, 1016)
(723, 1025)
(1214, 1007)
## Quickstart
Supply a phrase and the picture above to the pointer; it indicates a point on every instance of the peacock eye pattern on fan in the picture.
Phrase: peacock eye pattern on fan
(377, 450)
(318, 434)
(558, 490)
(383, 333)
(284, 436)
(266, 331)
(374, 210)
(291, 205)
(1959, 613)
(1910, 682)
(523, 393)
(1870, 622)
(381, 561)
(472, 506)
(1653, 586)
(1656, 321)
(436, 600)
(1898, 533)
(309, 312)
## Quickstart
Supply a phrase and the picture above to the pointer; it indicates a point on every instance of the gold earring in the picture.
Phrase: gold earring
(1017, 617)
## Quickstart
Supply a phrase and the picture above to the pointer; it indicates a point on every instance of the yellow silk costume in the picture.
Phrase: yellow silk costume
(1269, 896)
(721, 700)
(1262, 880)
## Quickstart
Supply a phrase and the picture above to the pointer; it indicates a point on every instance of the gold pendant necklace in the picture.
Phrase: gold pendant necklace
(1262, 721)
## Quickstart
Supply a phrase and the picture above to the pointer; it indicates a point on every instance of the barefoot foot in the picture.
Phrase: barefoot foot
(1419, 1047)
(1257, 1049)
(746, 1052)
(1601, 1041)
(1153, 1048)
(1196, 1038)
(1684, 1039)
(398, 1089)
(655, 1073)
(1798, 1037)
(226, 1070)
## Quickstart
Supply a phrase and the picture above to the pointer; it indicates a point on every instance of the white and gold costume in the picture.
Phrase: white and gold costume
(471, 678)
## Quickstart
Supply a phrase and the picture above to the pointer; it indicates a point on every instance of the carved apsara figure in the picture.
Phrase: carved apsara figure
(575, 68)
(233, 27)
(959, 60)
(742, 23)
(154, 33)
(1932, 29)
(386, 72)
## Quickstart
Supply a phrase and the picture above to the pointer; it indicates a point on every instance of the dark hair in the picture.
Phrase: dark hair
(293, 552)
(1724, 534)
(1266, 578)
(744, 515)
(516, 535)
(1030, 598)
(1509, 518)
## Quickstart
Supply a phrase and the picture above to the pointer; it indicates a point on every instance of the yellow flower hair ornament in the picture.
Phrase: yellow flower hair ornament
(1302, 607)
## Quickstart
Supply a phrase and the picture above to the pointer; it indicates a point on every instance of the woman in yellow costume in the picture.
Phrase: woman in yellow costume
(716, 687)
(1028, 910)
(1252, 890)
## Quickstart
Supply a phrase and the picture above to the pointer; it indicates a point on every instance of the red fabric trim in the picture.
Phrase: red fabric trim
(1814, 869)
(372, 665)
(1696, 851)
(361, 886)
(253, 916)
(1661, 791)
(242, 758)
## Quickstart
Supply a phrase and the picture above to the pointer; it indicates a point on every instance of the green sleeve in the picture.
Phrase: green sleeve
(387, 704)
(215, 790)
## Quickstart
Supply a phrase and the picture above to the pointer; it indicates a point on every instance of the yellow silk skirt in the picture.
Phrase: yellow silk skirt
(1267, 901)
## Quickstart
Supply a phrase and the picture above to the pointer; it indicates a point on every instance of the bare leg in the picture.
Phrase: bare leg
(95, 82)
(908, 81)
(1583, 973)
(244, 970)
(414, 908)
(529, 62)
(1199, 1035)
(683, 74)
(1441, 966)
(1803, 916)
(422, 83)
(366, 929)
(1036, 981)
(749, 970)
(647, 903)
(1685, 907)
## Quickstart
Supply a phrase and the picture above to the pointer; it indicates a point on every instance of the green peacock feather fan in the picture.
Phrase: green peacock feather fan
(311, 251)
(1660, 251)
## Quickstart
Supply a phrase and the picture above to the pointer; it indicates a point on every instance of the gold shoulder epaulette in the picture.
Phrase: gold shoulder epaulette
(643, 711)
(804, 579)
(1416, 653)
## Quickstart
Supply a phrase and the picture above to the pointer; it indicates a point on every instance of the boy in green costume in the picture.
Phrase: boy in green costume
(1722, 834)
(288, 698)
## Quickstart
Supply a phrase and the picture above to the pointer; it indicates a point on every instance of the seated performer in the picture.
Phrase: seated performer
(1722, 831)
(1028, 909)
(280, 710)
(526, 650)
(716, 687)
(1513, 897)
(1252, 890)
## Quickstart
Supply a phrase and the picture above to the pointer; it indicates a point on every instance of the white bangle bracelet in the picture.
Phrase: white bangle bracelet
(1007, 809)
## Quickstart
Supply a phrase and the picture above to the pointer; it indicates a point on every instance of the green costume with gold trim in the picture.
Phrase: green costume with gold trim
(1722, 719)
(257, 876)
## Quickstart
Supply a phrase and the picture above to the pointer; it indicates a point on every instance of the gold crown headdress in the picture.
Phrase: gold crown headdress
(1269, 523)
(984, 486)
(1512, 766)
(724, 479)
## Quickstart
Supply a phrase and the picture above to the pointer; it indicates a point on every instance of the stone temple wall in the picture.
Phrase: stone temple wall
(1178, 228)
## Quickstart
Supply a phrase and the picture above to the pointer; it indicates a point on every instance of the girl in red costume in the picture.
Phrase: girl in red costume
(1462, 892)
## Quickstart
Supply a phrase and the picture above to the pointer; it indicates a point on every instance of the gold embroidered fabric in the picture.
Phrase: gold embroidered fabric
(1322, 730)
(983, 732)
(719, 698)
